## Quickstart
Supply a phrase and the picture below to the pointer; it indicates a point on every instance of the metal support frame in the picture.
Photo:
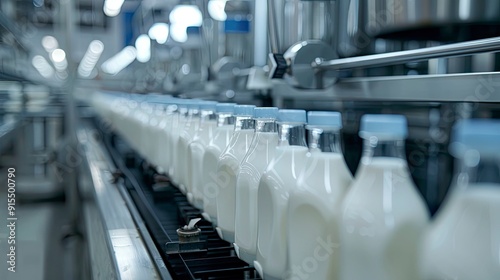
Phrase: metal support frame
(475, 87)
(392, 58)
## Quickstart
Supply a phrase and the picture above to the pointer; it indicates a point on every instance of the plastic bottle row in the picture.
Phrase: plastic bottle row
(294, 210)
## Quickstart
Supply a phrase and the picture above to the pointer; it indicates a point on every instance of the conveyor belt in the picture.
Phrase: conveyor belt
(166, 209)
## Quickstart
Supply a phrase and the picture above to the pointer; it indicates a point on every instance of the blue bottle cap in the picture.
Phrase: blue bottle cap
(296, 116)
(236, 26)
(244, 110)
(384, 127)
(266, 113)
(225, 108)
(481, 135)
(208, 105)
(182, 102)
(329, 119)
(193, 104)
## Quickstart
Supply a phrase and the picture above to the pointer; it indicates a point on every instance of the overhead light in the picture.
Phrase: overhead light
(159, 32)
(49, 43)
(143, 46)
(181, 17)
(42, 66)
(112, 7)
(111, 13)
(90, 58)
(38, 3)
(119, 61)
(58, 58)
(216, 9)
(178, 32)
(58, 55)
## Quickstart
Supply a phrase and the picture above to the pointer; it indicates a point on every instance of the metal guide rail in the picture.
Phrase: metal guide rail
(118, 249)
(471, 87)
(165, 209)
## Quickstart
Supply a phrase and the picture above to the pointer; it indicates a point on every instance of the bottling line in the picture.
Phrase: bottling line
(250, 139)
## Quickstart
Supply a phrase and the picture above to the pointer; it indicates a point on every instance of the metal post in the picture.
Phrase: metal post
(71, 156)
(273, 27)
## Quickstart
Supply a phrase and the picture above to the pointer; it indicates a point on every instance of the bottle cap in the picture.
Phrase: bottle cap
(329, 119)
(266, 113)
(225, 108)
(287, 115)
(161, 99)
(481, 135)
(244, 110)
(193, 104)
(182, 102)
(208, 105)
(386, 127)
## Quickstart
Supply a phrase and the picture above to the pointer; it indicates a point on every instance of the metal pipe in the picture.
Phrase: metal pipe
(384, 59)
(273, 27)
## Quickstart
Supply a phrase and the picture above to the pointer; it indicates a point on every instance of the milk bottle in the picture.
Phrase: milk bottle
(178, 124)
(162, 135)
(222, 135)
(252, 166)
(196, 149)
(171, 131)
(383, 214)
(154, 121)
(146, 111)
(156, 124)
(190, 127)
(272, 197)
(315, 205)
(129, 122)
(135, 123)
(228, 167)
(463, 242)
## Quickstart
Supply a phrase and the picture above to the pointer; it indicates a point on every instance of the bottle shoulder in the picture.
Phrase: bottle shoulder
(383, 189)
(325, 177)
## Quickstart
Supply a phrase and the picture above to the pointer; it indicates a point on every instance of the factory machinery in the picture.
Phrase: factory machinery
(91, 197)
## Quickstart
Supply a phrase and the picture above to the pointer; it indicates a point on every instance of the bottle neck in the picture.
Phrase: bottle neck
(225, 119)
(171, 109)
(193, 113)
(291, 134)
(182, 112)
(474, 170)
(265, 125)
(244, 123)
(325, 140)
(373, 147)
(207, 115)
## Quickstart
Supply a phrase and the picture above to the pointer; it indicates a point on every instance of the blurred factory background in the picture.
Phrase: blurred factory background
(433, 61)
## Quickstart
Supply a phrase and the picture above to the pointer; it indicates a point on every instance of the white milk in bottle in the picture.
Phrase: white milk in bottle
(275, 185)
(228, 167)
(252, 166)
(463, 242)
(135, 123)
(164, 131)
(383, 214)
(123, 117)
(157, 123)
(222, 135)
(190, 126)
(188, 140)
(315, 205)
(147, 129)
(172, 132)
(143, 124)
(196, 149)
